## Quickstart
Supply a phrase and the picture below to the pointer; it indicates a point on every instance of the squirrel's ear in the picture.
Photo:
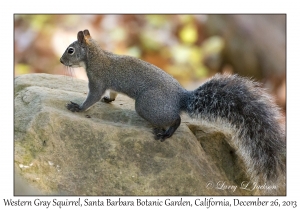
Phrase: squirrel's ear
(87, 34)
(80, 37)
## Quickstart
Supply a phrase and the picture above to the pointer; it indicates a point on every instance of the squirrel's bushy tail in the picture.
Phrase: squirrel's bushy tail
(242, 106)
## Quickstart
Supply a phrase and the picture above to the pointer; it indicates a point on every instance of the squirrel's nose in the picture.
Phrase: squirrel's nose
(61, 61)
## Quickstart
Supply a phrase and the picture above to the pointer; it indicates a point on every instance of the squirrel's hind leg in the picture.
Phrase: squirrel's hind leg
(162, 134)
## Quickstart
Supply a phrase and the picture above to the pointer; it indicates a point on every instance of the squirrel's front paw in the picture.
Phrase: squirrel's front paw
(73, 107)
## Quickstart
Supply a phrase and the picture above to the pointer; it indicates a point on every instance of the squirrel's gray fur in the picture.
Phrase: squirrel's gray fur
(235, 103)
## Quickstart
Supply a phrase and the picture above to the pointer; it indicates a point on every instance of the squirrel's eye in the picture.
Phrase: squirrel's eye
(71, 50)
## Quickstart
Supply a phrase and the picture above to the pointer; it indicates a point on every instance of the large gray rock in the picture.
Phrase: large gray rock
(113, 152)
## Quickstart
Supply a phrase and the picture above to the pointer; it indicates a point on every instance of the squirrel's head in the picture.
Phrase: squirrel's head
(76, 54)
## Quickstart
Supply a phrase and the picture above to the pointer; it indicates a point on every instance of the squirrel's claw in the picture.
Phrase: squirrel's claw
(73, 107)
(159, 134)
(107, 99)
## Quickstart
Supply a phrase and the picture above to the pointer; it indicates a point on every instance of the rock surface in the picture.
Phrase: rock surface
(110, 150)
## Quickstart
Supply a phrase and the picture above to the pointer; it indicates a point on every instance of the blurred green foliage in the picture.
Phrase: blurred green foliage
(189, 47)
(172, 42)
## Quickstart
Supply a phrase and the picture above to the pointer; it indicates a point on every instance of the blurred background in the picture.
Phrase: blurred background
(192, 48)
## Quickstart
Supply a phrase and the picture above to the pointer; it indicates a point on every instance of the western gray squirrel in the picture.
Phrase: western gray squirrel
(230, 101)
